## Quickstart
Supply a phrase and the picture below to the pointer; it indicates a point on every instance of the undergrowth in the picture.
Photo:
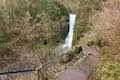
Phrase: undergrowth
(31, 26)
(108, 25)
(85, 11)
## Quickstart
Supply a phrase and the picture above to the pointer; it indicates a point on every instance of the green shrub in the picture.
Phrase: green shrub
(85, 11)
(26, 24)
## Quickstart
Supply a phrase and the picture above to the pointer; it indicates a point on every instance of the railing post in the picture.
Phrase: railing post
(38, 74)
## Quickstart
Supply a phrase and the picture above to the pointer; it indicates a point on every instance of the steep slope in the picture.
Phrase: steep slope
(32, 29)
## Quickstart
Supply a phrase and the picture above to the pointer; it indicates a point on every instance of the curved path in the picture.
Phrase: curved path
(84, 71)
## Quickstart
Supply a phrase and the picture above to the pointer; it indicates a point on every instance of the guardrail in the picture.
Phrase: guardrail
(40, 69)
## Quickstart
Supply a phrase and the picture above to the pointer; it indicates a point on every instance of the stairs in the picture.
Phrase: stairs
(50, 72)
(53, 70)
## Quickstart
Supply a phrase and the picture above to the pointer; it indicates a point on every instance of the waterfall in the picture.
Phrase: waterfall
(68, 41)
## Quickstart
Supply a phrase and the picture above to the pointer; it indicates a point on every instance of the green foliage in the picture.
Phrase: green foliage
(107, 69)
(85, 11)
(91, 43)
(30, 25)
(108, 41)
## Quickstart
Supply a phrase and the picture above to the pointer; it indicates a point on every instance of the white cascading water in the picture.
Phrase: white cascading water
(68, 41)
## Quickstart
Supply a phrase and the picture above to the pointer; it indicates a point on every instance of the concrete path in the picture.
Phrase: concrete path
(84, 71)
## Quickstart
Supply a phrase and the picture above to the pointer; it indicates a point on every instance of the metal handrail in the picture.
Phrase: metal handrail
(36, 69)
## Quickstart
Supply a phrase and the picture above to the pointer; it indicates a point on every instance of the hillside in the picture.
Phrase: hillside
(31, 30)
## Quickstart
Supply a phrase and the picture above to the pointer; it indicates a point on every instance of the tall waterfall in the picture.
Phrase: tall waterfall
(68, 41)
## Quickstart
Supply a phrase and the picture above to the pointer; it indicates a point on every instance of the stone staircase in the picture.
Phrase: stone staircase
(53, 70)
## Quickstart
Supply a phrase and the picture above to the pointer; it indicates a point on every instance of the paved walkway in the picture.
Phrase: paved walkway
(86, 66)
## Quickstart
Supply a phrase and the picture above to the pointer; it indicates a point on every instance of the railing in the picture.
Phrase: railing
(43, 70)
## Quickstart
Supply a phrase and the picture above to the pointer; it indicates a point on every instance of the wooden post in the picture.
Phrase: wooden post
(38, 75)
